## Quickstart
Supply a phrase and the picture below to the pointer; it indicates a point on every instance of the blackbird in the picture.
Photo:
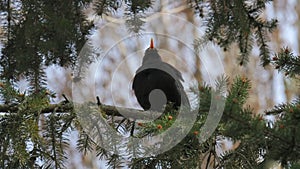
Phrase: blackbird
(158, 83)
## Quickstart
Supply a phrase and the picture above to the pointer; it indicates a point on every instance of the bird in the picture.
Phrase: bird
(157, 83)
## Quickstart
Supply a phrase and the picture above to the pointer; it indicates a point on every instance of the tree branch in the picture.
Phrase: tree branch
(108, 109)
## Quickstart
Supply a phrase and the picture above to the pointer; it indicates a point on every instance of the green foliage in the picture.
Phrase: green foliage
(286, 131)
(188, 152)
(236, 21)
(20, 128)
(105, 6)
(134, 11)
(135, 23)
(258, 141)
(132, 6)
(295, 166)
(287, 62)
(40, 33)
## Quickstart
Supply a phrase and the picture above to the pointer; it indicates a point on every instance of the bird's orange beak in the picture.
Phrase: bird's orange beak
(151, 43)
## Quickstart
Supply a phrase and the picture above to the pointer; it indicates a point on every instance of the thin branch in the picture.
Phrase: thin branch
(66, 99)
(98, 101)
(4, 108)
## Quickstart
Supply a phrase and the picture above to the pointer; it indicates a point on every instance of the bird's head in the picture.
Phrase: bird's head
(151, 54)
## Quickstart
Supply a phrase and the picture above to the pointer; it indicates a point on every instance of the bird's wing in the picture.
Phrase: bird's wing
(175, 71)
(179, 85)
(162, 66)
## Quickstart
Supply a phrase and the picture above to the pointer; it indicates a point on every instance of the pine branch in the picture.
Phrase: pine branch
(4, 108)
(105, 6)
(229, 22)
(288, 62)
(68, 107)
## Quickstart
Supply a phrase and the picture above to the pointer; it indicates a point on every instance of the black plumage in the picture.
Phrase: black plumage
(157, 83)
